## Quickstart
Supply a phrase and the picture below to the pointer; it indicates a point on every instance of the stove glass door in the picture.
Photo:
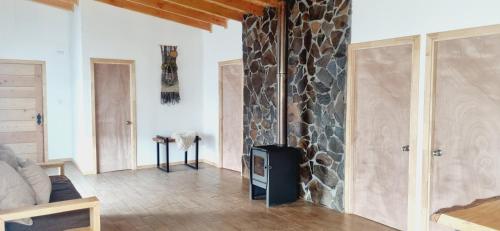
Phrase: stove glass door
(259, 170)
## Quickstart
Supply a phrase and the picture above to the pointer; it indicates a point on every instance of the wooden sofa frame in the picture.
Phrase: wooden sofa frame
(91, 203)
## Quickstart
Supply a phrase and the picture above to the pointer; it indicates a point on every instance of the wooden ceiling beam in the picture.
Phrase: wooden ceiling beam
(62, 4)
(265, 3)
(184, 11)
(210, 8)
(241, 6)
(75, 2)
(126, 4)
(260, 3)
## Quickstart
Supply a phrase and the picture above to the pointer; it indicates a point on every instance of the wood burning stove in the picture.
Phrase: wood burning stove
(274, 174)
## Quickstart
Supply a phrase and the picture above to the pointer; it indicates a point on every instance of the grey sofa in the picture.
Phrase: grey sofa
(66, 210)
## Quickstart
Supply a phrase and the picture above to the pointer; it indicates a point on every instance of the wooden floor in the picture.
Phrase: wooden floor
(208, 199)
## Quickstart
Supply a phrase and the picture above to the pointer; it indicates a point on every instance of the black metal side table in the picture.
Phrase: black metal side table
(166, 141)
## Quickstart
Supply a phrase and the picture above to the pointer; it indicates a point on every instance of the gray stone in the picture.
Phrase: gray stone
(323, 61)
(305, 174)
(325, 77)
(332, 67)
(326, 176)
(323, 159)
(308, 40)
(311, 68)
(336, 36)
(296, 45)
(320, 88)
(323, 99)
(308, 116)
(268, 58)
(341, 171)
(329, 131)
(339, 133)
(319, 193)
(338, 202)
(327, 27)
(316, 12)
(315, 51)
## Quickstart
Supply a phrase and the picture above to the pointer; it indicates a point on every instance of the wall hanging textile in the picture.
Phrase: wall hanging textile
(169, 79)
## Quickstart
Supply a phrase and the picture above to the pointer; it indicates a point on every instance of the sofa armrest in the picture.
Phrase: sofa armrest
(91, 203)
(54, 164)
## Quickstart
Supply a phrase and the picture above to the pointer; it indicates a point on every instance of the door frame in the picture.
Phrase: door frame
(44, 99)
(429, 105)
(350, 121)
(133, 116)
(221, 109)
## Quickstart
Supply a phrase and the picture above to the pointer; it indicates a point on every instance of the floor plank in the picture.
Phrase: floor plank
(207, 199)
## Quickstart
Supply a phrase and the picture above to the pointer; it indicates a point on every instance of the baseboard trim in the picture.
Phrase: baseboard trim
(72, 160)
(80, 169)
(139, 167)
(177, 163)
(211, 163)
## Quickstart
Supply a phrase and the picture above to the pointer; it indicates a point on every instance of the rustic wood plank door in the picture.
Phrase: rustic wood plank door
(231, 75)
(382, 100)
(466, 122)
(21, 108)
(113, 118)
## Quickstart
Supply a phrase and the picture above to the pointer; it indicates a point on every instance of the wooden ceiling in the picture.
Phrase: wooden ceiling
(64, 4)
(201, 14)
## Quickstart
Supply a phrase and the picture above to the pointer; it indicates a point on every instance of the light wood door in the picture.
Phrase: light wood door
(382, 99)
(231, 75)
(113, 118)
(466, 122)
(21, 102)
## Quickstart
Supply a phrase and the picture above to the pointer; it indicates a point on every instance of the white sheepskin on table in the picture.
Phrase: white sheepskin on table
(184, 139)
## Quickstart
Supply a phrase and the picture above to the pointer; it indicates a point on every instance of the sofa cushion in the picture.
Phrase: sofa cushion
(62, 190)
(14, 191)
(38, 179)
(7, 155)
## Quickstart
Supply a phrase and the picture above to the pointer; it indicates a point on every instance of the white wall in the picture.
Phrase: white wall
(115, 33)
(220, 45)
(382, 19)
(372, 20)
(67, 41)
(78, 136)
(32, 31)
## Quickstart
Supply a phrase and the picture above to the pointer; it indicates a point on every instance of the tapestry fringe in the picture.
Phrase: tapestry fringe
(170, 97)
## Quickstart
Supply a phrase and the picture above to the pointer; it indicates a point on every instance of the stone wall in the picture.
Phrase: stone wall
(260, 60)
(318, 34)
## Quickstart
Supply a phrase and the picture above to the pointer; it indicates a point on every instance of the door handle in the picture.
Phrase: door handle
(437, 152)
(39, 119)
(405, 148)
(128, 122)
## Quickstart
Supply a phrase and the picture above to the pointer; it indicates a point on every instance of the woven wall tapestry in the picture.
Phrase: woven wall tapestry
(169, 79)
